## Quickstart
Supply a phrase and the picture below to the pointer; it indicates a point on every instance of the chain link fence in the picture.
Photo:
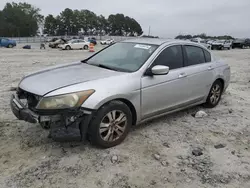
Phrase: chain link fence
(48, 38)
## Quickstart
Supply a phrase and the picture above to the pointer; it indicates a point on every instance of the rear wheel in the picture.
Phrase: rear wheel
(85, 47)
(68, 47)
(214, 95)
(10, 46)
(111, 124)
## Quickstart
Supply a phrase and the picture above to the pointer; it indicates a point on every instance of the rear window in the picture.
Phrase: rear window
(207, 56)
(195, 55)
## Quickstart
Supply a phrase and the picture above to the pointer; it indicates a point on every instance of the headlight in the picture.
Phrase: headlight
(64, 101)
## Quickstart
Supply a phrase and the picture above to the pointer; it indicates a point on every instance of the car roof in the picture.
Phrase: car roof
(155, 41)
(160, 41)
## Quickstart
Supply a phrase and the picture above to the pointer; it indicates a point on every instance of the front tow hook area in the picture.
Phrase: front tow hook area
(73, 132)
(65, 134)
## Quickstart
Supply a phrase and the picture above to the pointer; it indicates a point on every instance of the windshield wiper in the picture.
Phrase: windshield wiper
(85, 61)
(107, 67)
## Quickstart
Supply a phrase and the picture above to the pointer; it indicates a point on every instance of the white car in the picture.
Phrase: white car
(202, 42)
(222, 44)
(75, 44)
(108, 41)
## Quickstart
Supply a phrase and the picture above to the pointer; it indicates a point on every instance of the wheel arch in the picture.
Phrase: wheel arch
(222, 81)
(129, 104)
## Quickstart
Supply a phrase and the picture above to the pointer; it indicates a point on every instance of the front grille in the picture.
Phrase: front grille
(32, 99)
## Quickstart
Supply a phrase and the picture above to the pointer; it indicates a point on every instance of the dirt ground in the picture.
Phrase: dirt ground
(156, 154)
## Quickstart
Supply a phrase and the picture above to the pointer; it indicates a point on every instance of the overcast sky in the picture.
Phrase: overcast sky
(167, 18)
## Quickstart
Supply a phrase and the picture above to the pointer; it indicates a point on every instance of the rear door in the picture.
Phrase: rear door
(75, 44)
(81, 44)
(200, 72)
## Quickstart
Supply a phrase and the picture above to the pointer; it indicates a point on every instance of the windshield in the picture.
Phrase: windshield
(71, 41)
(127, 57)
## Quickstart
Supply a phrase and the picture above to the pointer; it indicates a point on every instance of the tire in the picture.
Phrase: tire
(222, 48)
(68, 47)
(214, 95)
(243, 47)
(10, 46)
(45, 125)
(107, 135)
(85, 47)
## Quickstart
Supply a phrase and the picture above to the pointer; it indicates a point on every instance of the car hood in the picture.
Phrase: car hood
(43, 82)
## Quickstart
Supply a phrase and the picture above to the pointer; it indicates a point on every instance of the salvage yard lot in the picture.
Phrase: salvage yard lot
(155, 154)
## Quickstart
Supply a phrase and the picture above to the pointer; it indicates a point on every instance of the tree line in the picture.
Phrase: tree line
(204, 36)
(19, 19)
(71, 22)
(23, 20)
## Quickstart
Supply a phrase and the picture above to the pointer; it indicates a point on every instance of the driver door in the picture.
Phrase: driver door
(162, 93)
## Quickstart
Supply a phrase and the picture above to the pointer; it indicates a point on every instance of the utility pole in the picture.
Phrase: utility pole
(149, 31)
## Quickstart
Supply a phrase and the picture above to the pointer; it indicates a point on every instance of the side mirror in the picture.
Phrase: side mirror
(159, 70)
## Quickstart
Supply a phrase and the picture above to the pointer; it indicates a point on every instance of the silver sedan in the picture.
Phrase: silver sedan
(125, 84)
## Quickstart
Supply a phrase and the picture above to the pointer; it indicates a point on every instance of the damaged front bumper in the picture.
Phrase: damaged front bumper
(21, 112)
(66, 125)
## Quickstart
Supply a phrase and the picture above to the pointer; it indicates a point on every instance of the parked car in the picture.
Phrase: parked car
(107, 42)
(221, 45)
(4, 42)
(56, 43)
(75, 44)
(92, 40)
(104, 95)
(241, 43)
(51, 40)
(210, 42)
(202, 42)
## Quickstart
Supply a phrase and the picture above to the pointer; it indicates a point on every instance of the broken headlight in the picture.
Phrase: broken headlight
(65, 101)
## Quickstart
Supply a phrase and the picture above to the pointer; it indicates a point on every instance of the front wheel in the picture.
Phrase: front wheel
(111, 124)
(214, 95)
(10, 46)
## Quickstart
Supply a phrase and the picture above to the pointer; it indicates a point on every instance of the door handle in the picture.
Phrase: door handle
(210, 68)
(182, 75)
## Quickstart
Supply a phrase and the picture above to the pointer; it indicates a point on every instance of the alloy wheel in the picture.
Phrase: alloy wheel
(215, 94)
(113, 125)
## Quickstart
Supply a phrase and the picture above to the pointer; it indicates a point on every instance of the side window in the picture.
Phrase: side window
(195, 55)
(207, 56)
(171, 57)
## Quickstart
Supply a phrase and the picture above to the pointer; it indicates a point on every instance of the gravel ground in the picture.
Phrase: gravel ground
(159, 153)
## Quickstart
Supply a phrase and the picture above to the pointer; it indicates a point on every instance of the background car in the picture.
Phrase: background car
(75, 44)
(108, 41)
(241, 43)
(4, 42)
(202, 42)
(221, 45)
(51, 40)
(56, 43)
(92, 40)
